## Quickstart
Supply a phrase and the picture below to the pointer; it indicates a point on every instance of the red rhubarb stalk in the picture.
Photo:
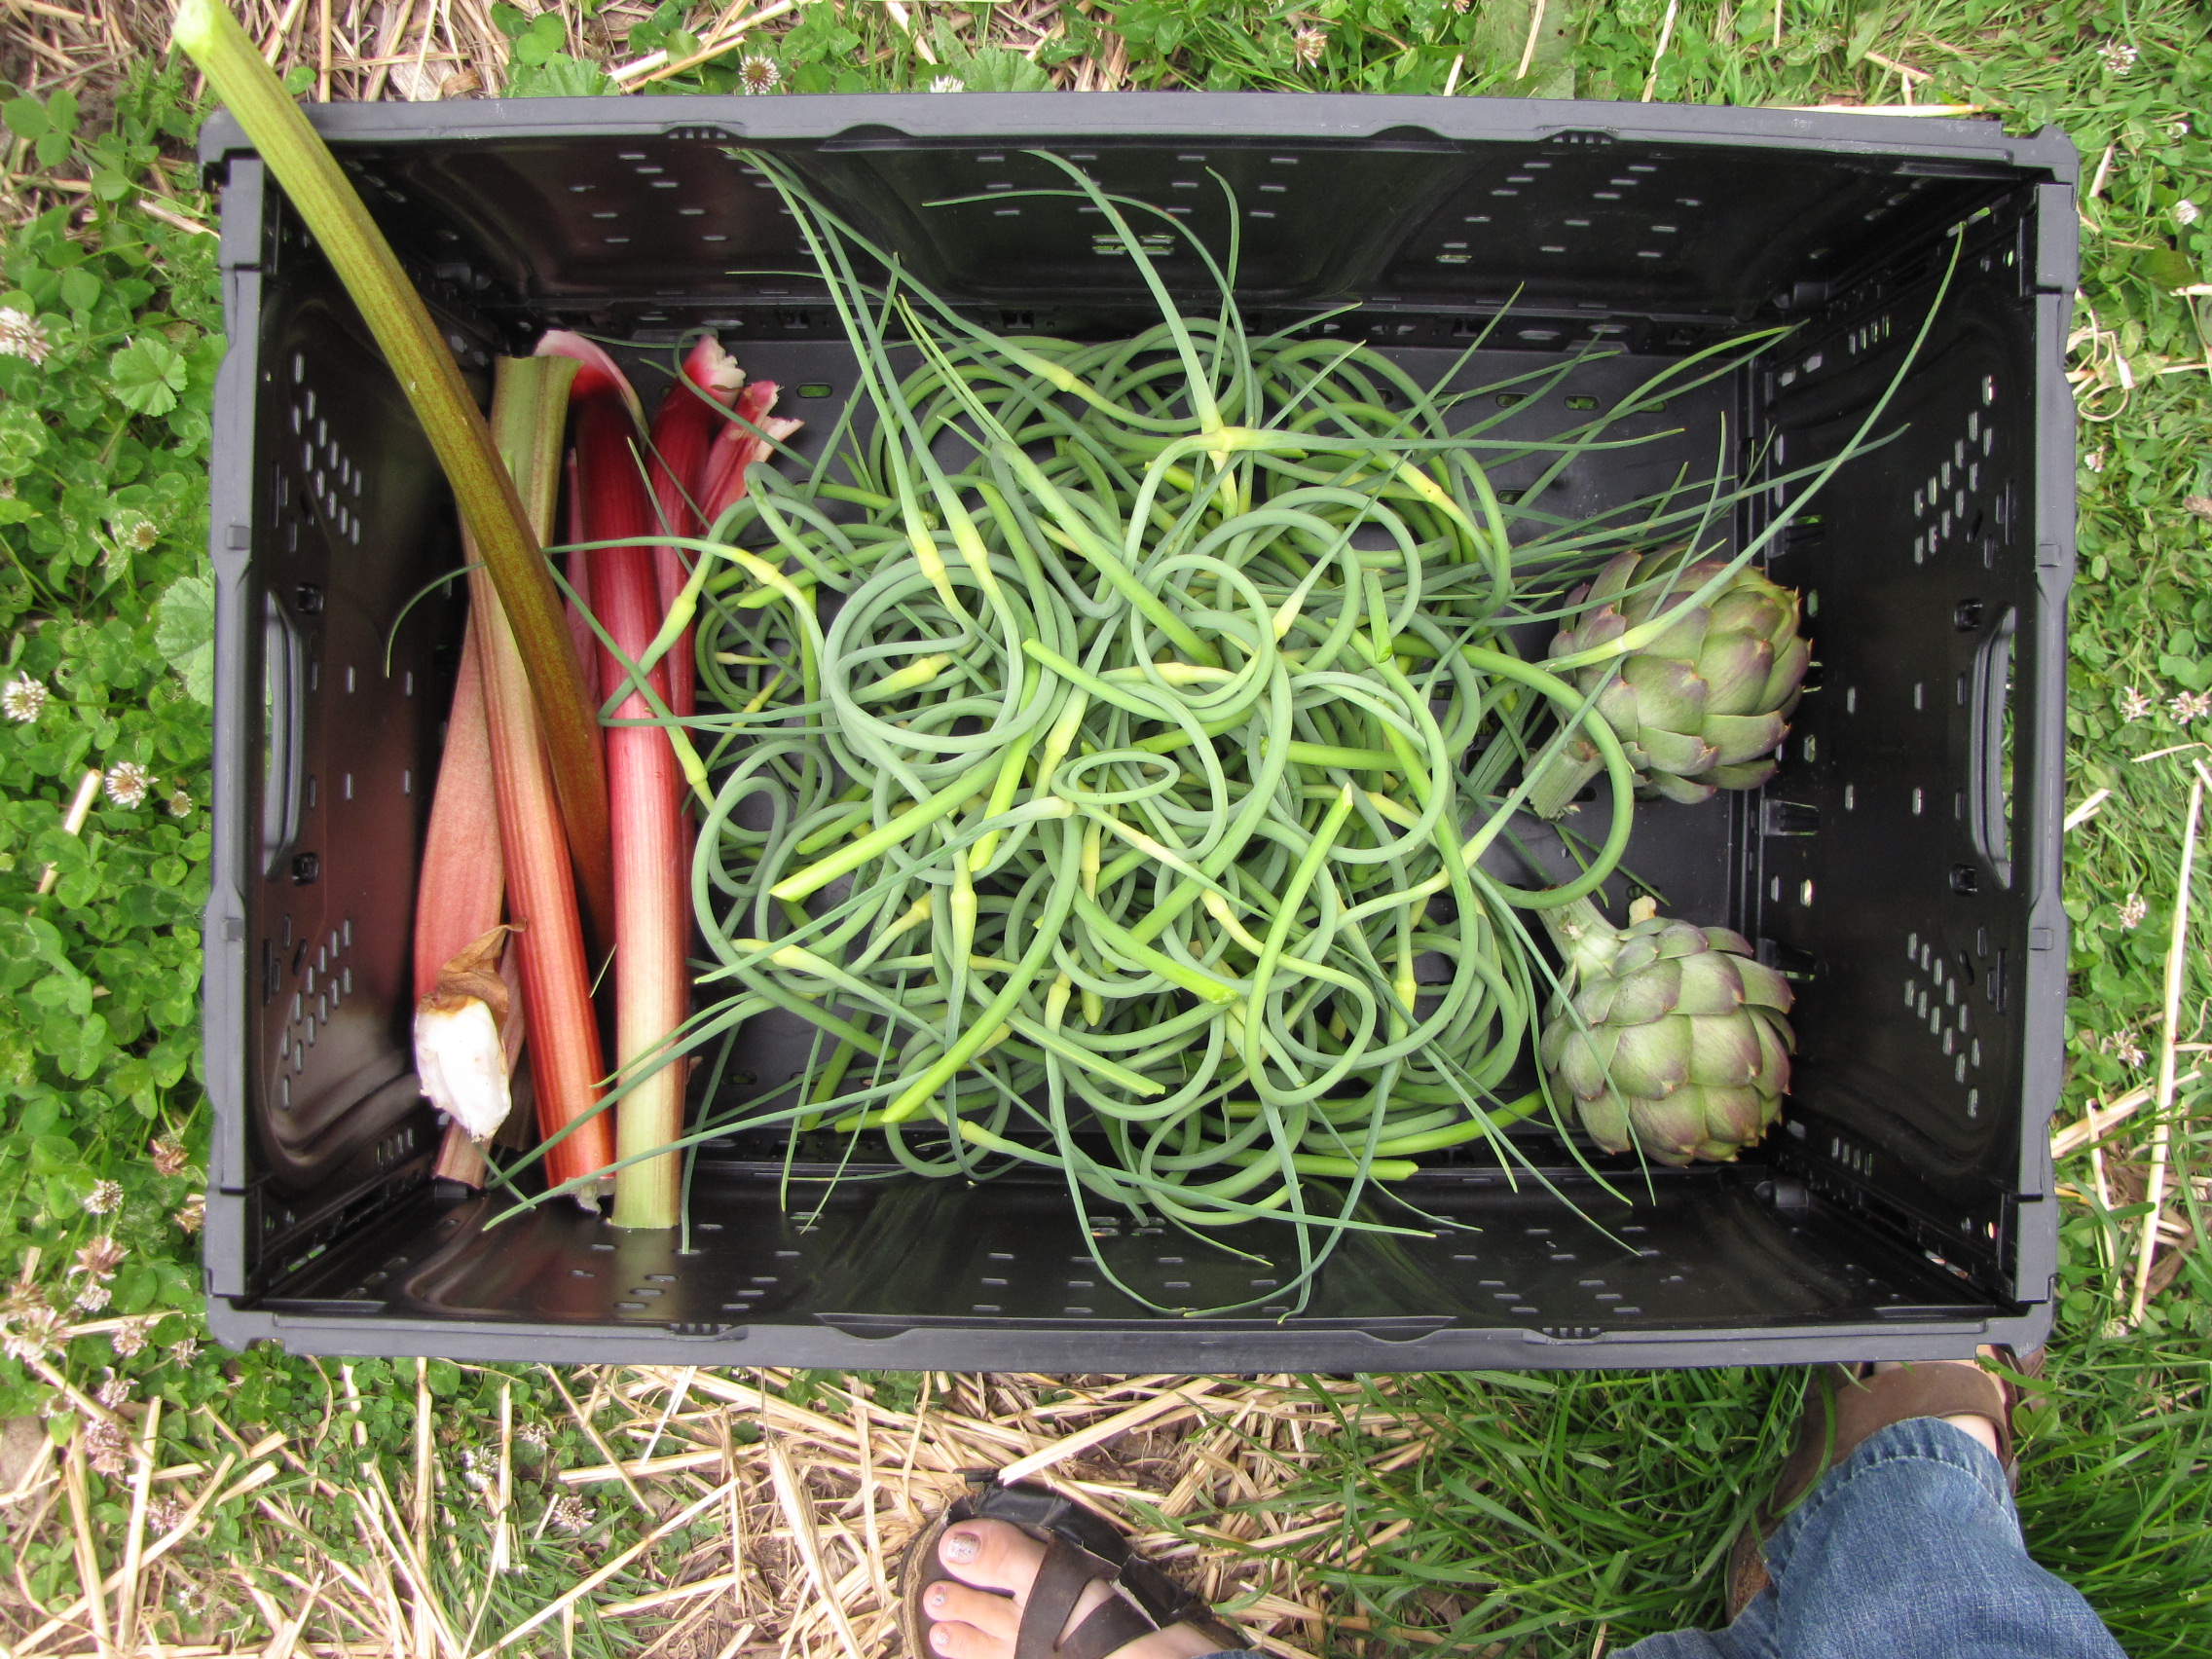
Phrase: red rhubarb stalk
(578, 609)
(644, 784)
(566, 1061)
(691, 417)
(737, 446)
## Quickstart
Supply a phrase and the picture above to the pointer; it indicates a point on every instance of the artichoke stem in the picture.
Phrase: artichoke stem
(1572, 926)
(1561, 778)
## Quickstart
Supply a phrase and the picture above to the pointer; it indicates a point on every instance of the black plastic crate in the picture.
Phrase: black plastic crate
(1903, 865)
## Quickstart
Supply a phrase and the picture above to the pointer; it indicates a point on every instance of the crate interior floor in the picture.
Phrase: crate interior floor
(876, 1257)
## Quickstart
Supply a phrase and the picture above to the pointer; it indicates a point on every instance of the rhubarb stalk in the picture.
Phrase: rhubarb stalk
(690, 417)
(506, 544)
(740, 443)
(579, 607)
(645, 785)
(462, 884)
(567, 1064)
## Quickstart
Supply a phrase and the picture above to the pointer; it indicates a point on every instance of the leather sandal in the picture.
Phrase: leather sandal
(1080, 1546)
(1844, 1404)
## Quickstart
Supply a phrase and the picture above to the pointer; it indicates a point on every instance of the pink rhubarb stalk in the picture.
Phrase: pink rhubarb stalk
(722, 480)
(577, 568)
(461, 886)
(566, 1061)
(464, 884)
(645, 786)
(690, 417)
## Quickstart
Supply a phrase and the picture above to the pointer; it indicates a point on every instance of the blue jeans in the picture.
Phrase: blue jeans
(1908, 1549)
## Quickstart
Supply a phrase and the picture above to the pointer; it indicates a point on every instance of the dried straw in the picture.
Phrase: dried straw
(797, 1502)
(2177, 965)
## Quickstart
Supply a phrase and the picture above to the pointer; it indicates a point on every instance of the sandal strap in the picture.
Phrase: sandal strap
(1066, 1572)
(1113, 1624)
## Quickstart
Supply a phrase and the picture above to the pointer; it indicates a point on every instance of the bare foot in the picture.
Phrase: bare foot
(1971, 1422)
(1000, 1563)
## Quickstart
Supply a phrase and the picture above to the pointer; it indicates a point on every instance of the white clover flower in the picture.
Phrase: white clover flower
(93, 1297)
(2188, 705)
(115, 1391)
(179, 803)
(1307, 43)
(2134, 705)
(758, 74)
(185, 1349)
(2118, 56)
(129, 1338)
(128, 783)
(99, 1259)
(109, 1450)
(2187, 213)
(23, 335)
(31, 1332)
(135, 531)
(948, 84)
(103, 1199)
(2133, 910)
(23, 698)
(2124, 1048)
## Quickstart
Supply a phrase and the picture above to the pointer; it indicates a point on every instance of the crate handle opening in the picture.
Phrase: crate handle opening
(1989, 765)
(281, 676)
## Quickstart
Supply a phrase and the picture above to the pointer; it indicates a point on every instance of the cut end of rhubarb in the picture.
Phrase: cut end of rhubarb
(713, 370)
(193, 28)
(597, 373)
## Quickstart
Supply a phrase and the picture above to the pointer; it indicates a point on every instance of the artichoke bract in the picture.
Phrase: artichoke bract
(1668, 1034)
(1701, 706)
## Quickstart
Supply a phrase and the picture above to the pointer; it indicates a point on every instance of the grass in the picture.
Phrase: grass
(1550, 1514)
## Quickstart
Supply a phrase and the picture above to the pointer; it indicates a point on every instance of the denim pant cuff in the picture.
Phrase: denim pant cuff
(1909, 1546)
(1916, 1440)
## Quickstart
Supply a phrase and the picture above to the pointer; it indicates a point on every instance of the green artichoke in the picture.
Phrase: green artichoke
(1700, 707)
(1667, 1034)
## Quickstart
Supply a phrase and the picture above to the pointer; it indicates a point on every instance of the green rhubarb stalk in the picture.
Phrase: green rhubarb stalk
(490, 509)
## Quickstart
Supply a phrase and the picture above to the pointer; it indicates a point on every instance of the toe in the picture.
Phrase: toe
(965, 1642)
(991, 1556)
(986, 1610)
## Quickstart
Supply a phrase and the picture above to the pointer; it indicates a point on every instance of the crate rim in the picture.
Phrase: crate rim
(814, 117)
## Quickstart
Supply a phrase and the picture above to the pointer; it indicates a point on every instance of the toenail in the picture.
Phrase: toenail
(937, 1598)
(962, 1547)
